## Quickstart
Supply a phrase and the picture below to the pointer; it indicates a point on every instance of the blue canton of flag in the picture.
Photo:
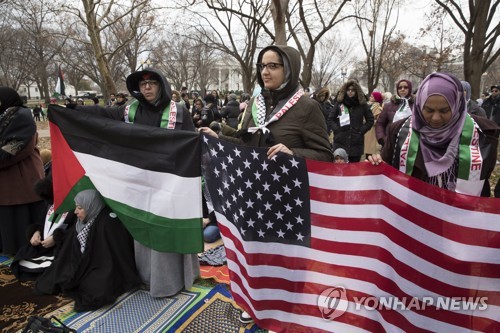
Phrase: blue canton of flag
(266, 199)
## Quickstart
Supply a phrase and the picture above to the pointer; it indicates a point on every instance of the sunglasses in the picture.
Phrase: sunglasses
(495, 91)
(403, 87)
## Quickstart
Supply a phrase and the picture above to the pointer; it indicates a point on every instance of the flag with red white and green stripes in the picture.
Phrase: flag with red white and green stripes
(150, 177)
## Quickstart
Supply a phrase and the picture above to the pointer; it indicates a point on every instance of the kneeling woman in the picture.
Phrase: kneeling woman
(96, 263)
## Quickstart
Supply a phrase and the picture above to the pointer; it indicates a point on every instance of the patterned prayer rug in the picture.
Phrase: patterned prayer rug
(134, 312)
(215, 313)
(218, 273)
(18, 302)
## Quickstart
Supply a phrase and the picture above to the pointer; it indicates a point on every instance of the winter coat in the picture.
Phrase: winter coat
(147, 113)
(302, 128)
(492, 107)
(389, 109)
(21, 167)
(230, 112)
(351, 137)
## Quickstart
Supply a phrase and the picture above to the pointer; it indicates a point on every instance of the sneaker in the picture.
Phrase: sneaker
(245, 318)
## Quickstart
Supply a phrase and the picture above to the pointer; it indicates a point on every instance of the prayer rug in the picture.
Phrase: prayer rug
(134, 312)
(5, 260)
(218, 273)
(215, 313)
(18, 302)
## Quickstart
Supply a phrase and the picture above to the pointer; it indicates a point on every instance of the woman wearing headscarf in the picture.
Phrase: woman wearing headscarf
(43, 242)
(281, 117)
(20, 168)
(96, 262)
(440, 143)
(350, 120)
(371, 144)
(399, 106)
(472, 106)
(163, 273)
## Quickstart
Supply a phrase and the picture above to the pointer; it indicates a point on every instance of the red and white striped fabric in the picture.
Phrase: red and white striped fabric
(377, 233)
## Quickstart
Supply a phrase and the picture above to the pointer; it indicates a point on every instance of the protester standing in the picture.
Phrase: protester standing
(350, 119)
(20, 168)
(163, 273)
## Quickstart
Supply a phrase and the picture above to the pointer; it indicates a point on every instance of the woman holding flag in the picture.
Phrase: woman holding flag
(281, 117)
(162, 273)
(440, 143)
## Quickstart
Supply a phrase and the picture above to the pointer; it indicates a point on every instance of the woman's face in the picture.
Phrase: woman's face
(436, 111)
(198, 105)
(351, 91)
(403, 89)
(80, 212)
(372, 99)
(272, 75)
(149, 89)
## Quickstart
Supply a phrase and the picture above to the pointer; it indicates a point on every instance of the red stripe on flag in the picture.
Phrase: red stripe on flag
(67, 171)
(455, 232)
(403, 240)
(478, 204)
(272, 283)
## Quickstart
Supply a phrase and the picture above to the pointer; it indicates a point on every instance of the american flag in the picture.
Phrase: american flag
(293, 228)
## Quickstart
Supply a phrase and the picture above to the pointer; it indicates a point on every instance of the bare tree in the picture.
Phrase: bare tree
(329, 61)
(375, 30)
(480, 26)
(189, 61)
(279, 8)
(312, 19)
(42, 42)
(13, 55)
(234, 28)
(98, 17)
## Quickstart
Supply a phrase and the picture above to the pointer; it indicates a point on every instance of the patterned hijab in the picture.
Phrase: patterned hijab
(440, 145)
(92, 202)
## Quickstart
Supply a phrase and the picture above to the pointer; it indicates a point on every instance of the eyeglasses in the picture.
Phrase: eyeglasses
(495, 91)
(403, 87)
(152, 83)
(270, 66)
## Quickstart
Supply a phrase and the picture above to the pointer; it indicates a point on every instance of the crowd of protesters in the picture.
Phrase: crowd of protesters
(346, 126)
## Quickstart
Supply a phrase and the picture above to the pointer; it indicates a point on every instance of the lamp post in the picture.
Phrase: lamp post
(343, 73)
(483, 78)
(147, 62)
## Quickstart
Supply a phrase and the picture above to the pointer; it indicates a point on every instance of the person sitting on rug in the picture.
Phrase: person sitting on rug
(43, 242)
(211, 232)
(436, 142)
(96, 261)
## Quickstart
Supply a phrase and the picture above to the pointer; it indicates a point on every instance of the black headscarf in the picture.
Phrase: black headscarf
(8, 98)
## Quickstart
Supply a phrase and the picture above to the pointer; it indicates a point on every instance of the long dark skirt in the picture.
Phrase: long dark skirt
(14, 220)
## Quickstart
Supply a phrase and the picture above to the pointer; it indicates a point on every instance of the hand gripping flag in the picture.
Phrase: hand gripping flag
(150, 177)
(322, 247)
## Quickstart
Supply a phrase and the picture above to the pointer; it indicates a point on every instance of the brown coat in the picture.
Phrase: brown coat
(19, 173)
(301, 129)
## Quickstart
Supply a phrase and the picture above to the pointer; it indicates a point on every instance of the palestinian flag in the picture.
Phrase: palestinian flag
(150, 177)
(60, 88)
